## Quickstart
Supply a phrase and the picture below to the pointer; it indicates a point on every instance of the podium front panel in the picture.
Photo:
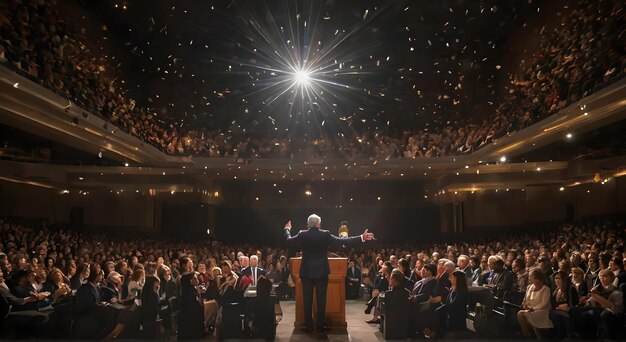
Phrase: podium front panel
(335, 295)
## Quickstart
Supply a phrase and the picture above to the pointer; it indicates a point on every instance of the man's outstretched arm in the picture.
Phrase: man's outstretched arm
(289, 240)
(351, 240)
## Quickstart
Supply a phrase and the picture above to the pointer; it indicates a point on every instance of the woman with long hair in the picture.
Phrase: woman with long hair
(150, 306)
(563, 299)
(453, 312)
(191, 318)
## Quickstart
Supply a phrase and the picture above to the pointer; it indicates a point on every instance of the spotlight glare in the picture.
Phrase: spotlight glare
(502, 159)
(302, 77)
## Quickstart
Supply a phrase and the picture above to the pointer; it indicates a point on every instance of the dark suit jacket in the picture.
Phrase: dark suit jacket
(482, 278)
(248, 272)
(423, 289)
(314, 243)
(397, 300)
(87, 298)
(505, 282)
(356, 274)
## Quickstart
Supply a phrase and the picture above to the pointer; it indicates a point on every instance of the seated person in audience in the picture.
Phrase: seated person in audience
(486, 275)
(463, 264)
(420, 299)
(82, 273)
(260, 310)
(59, 290)
(617, 266)
(403, 265)
(150, 307)
(416, 273)
(563, 299)
(168, 288)
(88, 294)
(19, 303)
(502, 281)
(381, 285)
(89, 305)
(604, 307)
(445, 267)
(229, 290)
(474, 264)
(274, 275)
(23, 288)
(135, 285)
(203, 275)
(186, 265)
(110, 290)
(452, 314)
(9, 303)
(191, 318)
(593, 269)
(253, 272)
(353, 280)
(579, 283)
(521, 274)
(535, 313)
(396, 302)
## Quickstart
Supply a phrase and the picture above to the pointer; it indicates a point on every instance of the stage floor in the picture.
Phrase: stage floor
(357, 329)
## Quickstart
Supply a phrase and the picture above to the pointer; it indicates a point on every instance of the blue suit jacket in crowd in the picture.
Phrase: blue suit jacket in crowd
(314, 243)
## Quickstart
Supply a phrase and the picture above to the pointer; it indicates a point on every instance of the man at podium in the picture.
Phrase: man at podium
(314, 243)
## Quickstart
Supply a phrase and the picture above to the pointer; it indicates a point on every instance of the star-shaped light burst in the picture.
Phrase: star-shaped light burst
(302, 78)
(303, 65)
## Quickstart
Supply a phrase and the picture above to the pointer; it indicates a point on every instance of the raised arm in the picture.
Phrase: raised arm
(290, 241)
(351, 240)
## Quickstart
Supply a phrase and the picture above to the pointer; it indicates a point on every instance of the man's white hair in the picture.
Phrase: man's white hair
(254, 257)
(314, 221)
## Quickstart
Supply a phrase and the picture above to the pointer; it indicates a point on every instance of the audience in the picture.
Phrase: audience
(571, 63)
(27, 249)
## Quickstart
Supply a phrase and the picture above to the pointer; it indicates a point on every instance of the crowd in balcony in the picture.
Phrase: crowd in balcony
(576, 58)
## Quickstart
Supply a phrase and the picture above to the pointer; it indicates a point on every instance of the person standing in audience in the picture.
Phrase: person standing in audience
(150, 307)
(536, 305)
(168, 288)
(191, 317)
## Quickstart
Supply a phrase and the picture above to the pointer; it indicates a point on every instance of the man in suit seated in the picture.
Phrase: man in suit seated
(395, 306)
(501, 281)
(353, 281)
(420, 298)
(254, 272)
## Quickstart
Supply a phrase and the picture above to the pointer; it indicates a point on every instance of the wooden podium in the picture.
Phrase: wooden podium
(335, 295)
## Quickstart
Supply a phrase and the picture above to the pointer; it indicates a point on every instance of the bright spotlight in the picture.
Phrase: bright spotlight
(502, 159)
(302, 77)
